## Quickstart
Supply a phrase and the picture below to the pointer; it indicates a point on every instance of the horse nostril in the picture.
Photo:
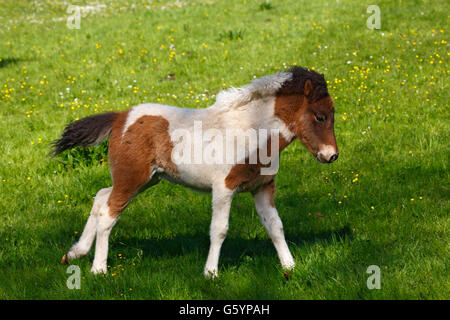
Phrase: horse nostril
(334, 157)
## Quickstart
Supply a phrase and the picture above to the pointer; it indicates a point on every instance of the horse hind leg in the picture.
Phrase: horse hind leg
(84, 244)
(122, 193)
(107, 218)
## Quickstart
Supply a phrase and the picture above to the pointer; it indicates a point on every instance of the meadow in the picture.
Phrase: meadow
(384, 202)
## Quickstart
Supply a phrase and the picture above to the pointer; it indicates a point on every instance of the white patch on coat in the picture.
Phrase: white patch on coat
(258, 88)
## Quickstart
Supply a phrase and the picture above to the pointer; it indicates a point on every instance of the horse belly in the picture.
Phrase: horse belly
(199, 177)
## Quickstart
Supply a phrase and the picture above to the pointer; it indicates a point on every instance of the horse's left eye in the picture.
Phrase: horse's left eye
(320, 118)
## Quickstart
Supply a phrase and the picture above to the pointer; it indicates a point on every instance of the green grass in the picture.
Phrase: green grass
(390, 88)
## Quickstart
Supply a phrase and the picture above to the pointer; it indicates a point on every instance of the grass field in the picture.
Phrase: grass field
(385, 202)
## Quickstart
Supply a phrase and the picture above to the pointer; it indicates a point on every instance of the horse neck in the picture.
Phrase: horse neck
(256, 114)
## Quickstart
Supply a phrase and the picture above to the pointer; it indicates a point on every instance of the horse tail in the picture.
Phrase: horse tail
(88, 131)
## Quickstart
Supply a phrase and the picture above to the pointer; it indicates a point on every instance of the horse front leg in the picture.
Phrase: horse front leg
(265, 206)
(221, 203)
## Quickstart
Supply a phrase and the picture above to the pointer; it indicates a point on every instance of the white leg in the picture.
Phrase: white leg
(269, 217)
(221, 203)
(104, 225)
(82, 247)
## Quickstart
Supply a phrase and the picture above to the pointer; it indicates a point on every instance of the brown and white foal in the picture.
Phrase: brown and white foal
(144, 140)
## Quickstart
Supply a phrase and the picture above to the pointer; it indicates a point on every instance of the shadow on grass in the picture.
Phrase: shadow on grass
(233, 248)
(6, 61)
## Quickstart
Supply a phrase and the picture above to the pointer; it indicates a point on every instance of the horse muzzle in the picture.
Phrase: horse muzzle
(327, 155)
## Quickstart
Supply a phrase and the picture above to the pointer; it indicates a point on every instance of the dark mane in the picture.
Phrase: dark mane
(296, 84)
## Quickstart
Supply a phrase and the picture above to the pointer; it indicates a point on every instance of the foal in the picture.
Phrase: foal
(145, 139)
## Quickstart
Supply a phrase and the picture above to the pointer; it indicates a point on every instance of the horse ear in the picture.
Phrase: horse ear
(308, 88)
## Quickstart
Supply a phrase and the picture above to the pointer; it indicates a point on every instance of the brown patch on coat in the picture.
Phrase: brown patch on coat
(300, 115)
(145, 146)
(287, 108)
(248, 176)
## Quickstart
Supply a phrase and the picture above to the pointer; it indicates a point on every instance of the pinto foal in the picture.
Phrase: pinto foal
(296, 103)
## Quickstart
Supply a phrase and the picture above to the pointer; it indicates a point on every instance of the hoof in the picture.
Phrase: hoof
(210, 274)
(99, 270)
(289, 266)
(64, 259)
